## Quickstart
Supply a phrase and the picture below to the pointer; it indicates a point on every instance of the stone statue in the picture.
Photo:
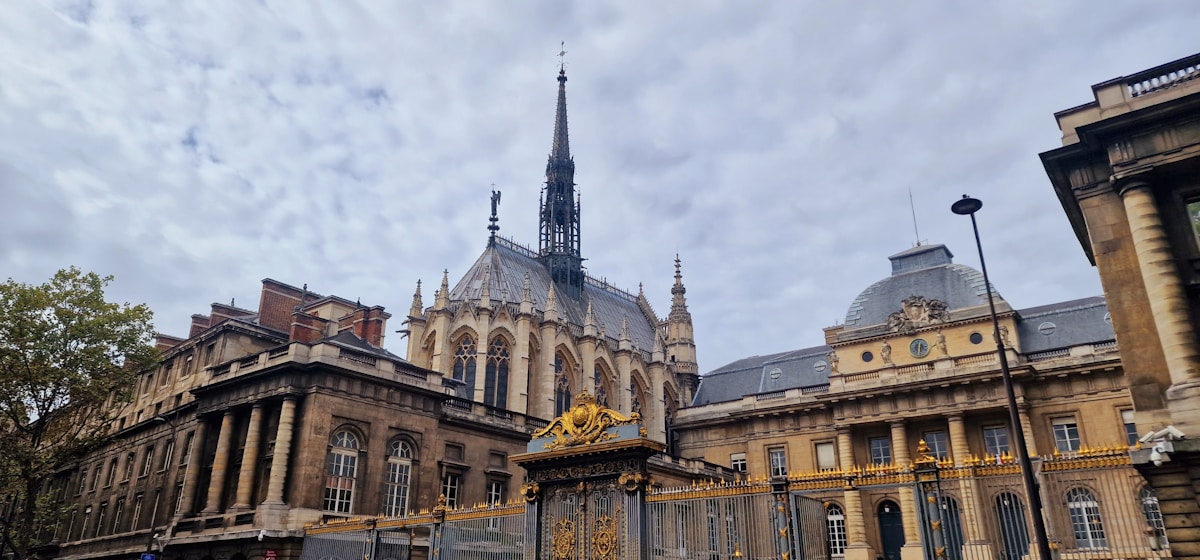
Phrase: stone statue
(940, 342)
(833, 361)
(885, 352)
(1004, 337)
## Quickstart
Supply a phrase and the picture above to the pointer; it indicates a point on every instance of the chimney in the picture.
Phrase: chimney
(306, 328)
(367, 323)
(200, 323)
(164, 342)
(279, 301)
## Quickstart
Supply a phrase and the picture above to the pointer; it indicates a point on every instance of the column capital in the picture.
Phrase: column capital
(1124, 185)
(954, 417)
(897, 424)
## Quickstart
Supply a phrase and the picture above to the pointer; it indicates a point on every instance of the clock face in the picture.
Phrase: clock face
(919, 348)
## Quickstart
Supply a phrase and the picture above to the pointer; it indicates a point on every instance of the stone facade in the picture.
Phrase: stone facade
(1127, 176)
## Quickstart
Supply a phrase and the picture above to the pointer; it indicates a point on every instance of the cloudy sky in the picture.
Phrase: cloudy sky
(192, 149)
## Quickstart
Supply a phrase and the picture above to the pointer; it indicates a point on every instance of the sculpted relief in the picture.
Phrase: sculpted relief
(916, 312)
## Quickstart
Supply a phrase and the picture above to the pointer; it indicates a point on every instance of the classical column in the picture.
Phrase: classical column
(1027, 428)
(1168, 302)
(975, 546)
(216, 482)
(283, 448)
(856, 531)
(191, 473)
(959, 449)
(908, 512)
(245, 482)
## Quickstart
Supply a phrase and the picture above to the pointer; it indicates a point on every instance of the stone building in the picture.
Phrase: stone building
(261, 422)
(1128, 177)
(526, 330)
(915, 364)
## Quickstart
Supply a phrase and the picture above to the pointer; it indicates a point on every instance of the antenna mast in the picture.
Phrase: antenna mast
(913, 208)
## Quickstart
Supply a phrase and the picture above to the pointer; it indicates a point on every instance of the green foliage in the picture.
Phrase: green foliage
(68, 362)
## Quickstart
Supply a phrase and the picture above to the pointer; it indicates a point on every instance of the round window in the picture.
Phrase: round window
(867, 356)
(1046, 328)
(976, 338)
(820, 366)
(775, 373)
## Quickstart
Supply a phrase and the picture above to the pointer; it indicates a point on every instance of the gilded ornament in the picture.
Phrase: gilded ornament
(585, 423)
(604, 538)
(530, 491)
(562, 543)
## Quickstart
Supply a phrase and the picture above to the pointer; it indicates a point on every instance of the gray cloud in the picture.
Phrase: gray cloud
(192, 150)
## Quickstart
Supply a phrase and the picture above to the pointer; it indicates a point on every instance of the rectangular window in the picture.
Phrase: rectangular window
(112, 473)
(881, 450)
(82, 481)
(737, 462)
(178, 498)
(1193, 211)
(96, 477)
(495, 492)
(100, 519)
(167, 453)
(166, 374)
(1066, 434)
(938, 445)
(87, 522)
(995, 440)
(210, 353)
(137, 512)
(187, 366)
(117, 513)
(148, 460)
(395, 492)
(130, 460)
(777, 458)
(826, 456)
(154, 508)
(340, 472)
(450, 485)
(1131, 432)
(454, 451)
(186, 456)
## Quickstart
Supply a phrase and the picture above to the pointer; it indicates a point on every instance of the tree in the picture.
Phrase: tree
(68, 363)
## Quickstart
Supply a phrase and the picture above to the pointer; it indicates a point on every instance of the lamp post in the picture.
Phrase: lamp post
(172, 423)
(967, 206)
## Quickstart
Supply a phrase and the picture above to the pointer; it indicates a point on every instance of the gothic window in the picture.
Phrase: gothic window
(495, 380)
(600, 381)
(341, 468)
(1085, 519)
(399, 475)
(464, 362)
(562, 386)
(835, 529)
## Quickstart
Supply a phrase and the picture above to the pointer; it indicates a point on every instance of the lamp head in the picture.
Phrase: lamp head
(966, 206)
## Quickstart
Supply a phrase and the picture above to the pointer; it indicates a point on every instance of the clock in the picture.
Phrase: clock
(918, 348)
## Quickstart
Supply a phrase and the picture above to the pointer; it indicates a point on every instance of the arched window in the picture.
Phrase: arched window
(341, 466)
(835, 529)
(464, 362)
(399, 475)
(1154, 518)
(495, 377)
(1085, 519)
(562, 386)
(600, 381)
(635, 398)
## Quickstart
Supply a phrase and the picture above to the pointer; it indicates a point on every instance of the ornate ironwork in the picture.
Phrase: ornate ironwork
(583, 424)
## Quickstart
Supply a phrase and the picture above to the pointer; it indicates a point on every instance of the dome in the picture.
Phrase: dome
(926, 270)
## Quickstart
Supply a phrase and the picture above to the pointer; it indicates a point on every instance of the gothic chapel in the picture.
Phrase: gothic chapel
(528, 331)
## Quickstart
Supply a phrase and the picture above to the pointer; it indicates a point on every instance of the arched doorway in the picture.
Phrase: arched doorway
(891, 529)
(1014, 535)
(952, 521)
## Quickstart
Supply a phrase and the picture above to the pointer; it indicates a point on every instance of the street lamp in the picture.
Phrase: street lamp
(967, 206)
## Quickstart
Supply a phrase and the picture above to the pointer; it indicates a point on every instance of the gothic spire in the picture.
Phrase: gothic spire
(678, 302)
(417, 305)
(558, 242)
(442, 299)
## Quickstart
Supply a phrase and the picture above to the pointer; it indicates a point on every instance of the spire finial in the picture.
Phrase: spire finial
(562, 57)
(443, 294)
(493, 227)
(417, 305)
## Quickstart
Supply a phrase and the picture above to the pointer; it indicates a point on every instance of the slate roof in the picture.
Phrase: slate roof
(1064, 324)
(764, 374)
(507, 263)
(927, 270)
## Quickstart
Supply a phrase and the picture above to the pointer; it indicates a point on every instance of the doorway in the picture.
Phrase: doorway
(891, 529)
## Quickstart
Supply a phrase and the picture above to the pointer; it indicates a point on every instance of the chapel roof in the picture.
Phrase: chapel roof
(507, 264)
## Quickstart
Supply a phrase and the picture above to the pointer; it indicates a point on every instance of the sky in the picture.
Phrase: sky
(191, 149)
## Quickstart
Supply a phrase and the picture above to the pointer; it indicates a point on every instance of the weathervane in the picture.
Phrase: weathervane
(562, 54)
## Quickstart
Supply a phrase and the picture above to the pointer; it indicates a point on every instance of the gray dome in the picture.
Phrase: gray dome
(926, 270)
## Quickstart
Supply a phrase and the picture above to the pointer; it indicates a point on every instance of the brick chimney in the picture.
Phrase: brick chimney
(164, 342)
(279, 301)
(367, 323)
(307, 328)
(200, 323)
